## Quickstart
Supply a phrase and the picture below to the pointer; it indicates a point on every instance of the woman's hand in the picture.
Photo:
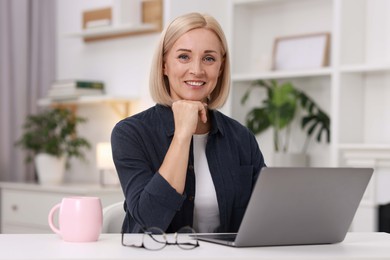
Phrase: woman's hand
(187, 115)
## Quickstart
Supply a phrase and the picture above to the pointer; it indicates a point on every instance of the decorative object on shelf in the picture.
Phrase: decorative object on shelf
(73, 89)
(105, 165)
(310, 51)
(97, 18)
(52, 132)
(126, 12)
(279, 109)
(264, 62)
(126, 18)
(152, 13)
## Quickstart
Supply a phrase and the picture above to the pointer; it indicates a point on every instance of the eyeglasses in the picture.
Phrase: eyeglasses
(155, 239)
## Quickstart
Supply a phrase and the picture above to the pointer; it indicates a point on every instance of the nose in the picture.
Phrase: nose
(196, 67)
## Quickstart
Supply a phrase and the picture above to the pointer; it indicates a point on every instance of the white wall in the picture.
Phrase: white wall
(123, 64)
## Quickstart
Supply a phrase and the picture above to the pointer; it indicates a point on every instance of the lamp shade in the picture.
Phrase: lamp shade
(104, 156)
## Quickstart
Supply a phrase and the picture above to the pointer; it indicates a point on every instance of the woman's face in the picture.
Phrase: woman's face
(193, 65)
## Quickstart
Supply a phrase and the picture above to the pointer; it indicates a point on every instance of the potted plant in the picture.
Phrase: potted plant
(278, 111)
(50, 139)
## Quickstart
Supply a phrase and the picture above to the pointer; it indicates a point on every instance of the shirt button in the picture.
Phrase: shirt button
(191, 198)
(190, 167)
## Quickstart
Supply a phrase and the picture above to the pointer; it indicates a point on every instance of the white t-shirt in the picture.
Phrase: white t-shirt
(206, 212)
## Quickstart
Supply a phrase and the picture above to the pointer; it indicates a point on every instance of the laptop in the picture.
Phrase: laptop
(299, 206)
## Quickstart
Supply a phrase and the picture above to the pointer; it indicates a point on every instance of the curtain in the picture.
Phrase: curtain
(27, 68)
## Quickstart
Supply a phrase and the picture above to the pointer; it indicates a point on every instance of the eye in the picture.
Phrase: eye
(209, 59)
(183, 57)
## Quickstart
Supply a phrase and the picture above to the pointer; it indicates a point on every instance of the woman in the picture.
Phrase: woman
(182, 162)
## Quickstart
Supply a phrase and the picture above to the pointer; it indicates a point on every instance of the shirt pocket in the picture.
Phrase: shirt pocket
(243, 176)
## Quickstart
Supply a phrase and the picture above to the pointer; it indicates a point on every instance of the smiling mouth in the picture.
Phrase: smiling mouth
(195, 83)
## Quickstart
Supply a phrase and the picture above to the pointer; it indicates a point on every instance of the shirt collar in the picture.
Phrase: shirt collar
(168, 122)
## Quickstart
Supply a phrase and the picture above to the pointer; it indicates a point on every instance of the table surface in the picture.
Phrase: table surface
(50, 246)
(62, 188)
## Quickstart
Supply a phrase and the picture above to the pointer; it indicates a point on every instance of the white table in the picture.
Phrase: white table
(49, 246)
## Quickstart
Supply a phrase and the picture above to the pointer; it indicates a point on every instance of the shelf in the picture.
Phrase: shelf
(150, 22)
(114, 102)
(282, 74)
(246, 2)
(363, 68)
(83, 100)
(117, 31)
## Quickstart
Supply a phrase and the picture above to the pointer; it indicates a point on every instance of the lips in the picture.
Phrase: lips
(195, 83)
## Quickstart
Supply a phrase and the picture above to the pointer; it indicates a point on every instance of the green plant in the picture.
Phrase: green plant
(279, 109)
(53, 131)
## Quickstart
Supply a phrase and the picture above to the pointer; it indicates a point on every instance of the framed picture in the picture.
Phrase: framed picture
(308, 51)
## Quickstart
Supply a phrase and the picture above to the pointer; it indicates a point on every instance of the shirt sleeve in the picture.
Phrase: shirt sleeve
(257, 158)
(151, 200)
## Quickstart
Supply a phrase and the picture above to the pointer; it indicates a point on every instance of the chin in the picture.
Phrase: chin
(193, 98)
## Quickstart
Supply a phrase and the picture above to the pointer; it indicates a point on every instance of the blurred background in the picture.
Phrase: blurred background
(330, 58)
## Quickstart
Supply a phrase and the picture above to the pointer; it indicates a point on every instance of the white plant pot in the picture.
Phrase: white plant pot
(50, 169)
(290, 160)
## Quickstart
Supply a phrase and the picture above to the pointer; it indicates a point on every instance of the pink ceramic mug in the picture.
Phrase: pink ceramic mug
(80, 219)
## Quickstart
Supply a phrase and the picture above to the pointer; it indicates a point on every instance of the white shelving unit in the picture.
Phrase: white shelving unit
(359, 64)
(254, 27)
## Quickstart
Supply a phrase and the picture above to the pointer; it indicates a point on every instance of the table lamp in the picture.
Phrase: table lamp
(105, 165)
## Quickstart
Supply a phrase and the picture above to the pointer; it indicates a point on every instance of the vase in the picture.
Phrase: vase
(290, 160)
(50, 168)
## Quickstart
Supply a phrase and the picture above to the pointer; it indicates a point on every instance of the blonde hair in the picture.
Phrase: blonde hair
(158, 83)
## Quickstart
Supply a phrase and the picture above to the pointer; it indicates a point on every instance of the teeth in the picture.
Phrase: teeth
(195, 83)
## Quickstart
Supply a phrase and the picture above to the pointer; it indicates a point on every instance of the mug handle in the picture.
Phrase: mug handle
(50, 218)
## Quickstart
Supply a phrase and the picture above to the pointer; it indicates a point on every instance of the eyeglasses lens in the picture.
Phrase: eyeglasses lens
(154, 239)
(131, 241)
(186, 238)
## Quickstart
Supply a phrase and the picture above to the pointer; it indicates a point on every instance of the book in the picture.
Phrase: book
(72, 89)
(74, 92)
(88, 84)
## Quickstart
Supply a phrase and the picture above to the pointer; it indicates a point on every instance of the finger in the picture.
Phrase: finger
(203, 113)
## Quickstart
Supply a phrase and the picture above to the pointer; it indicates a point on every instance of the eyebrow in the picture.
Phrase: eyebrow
(187, 50)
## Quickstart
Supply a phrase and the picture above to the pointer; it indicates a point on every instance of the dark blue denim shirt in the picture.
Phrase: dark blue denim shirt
(139, 144)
